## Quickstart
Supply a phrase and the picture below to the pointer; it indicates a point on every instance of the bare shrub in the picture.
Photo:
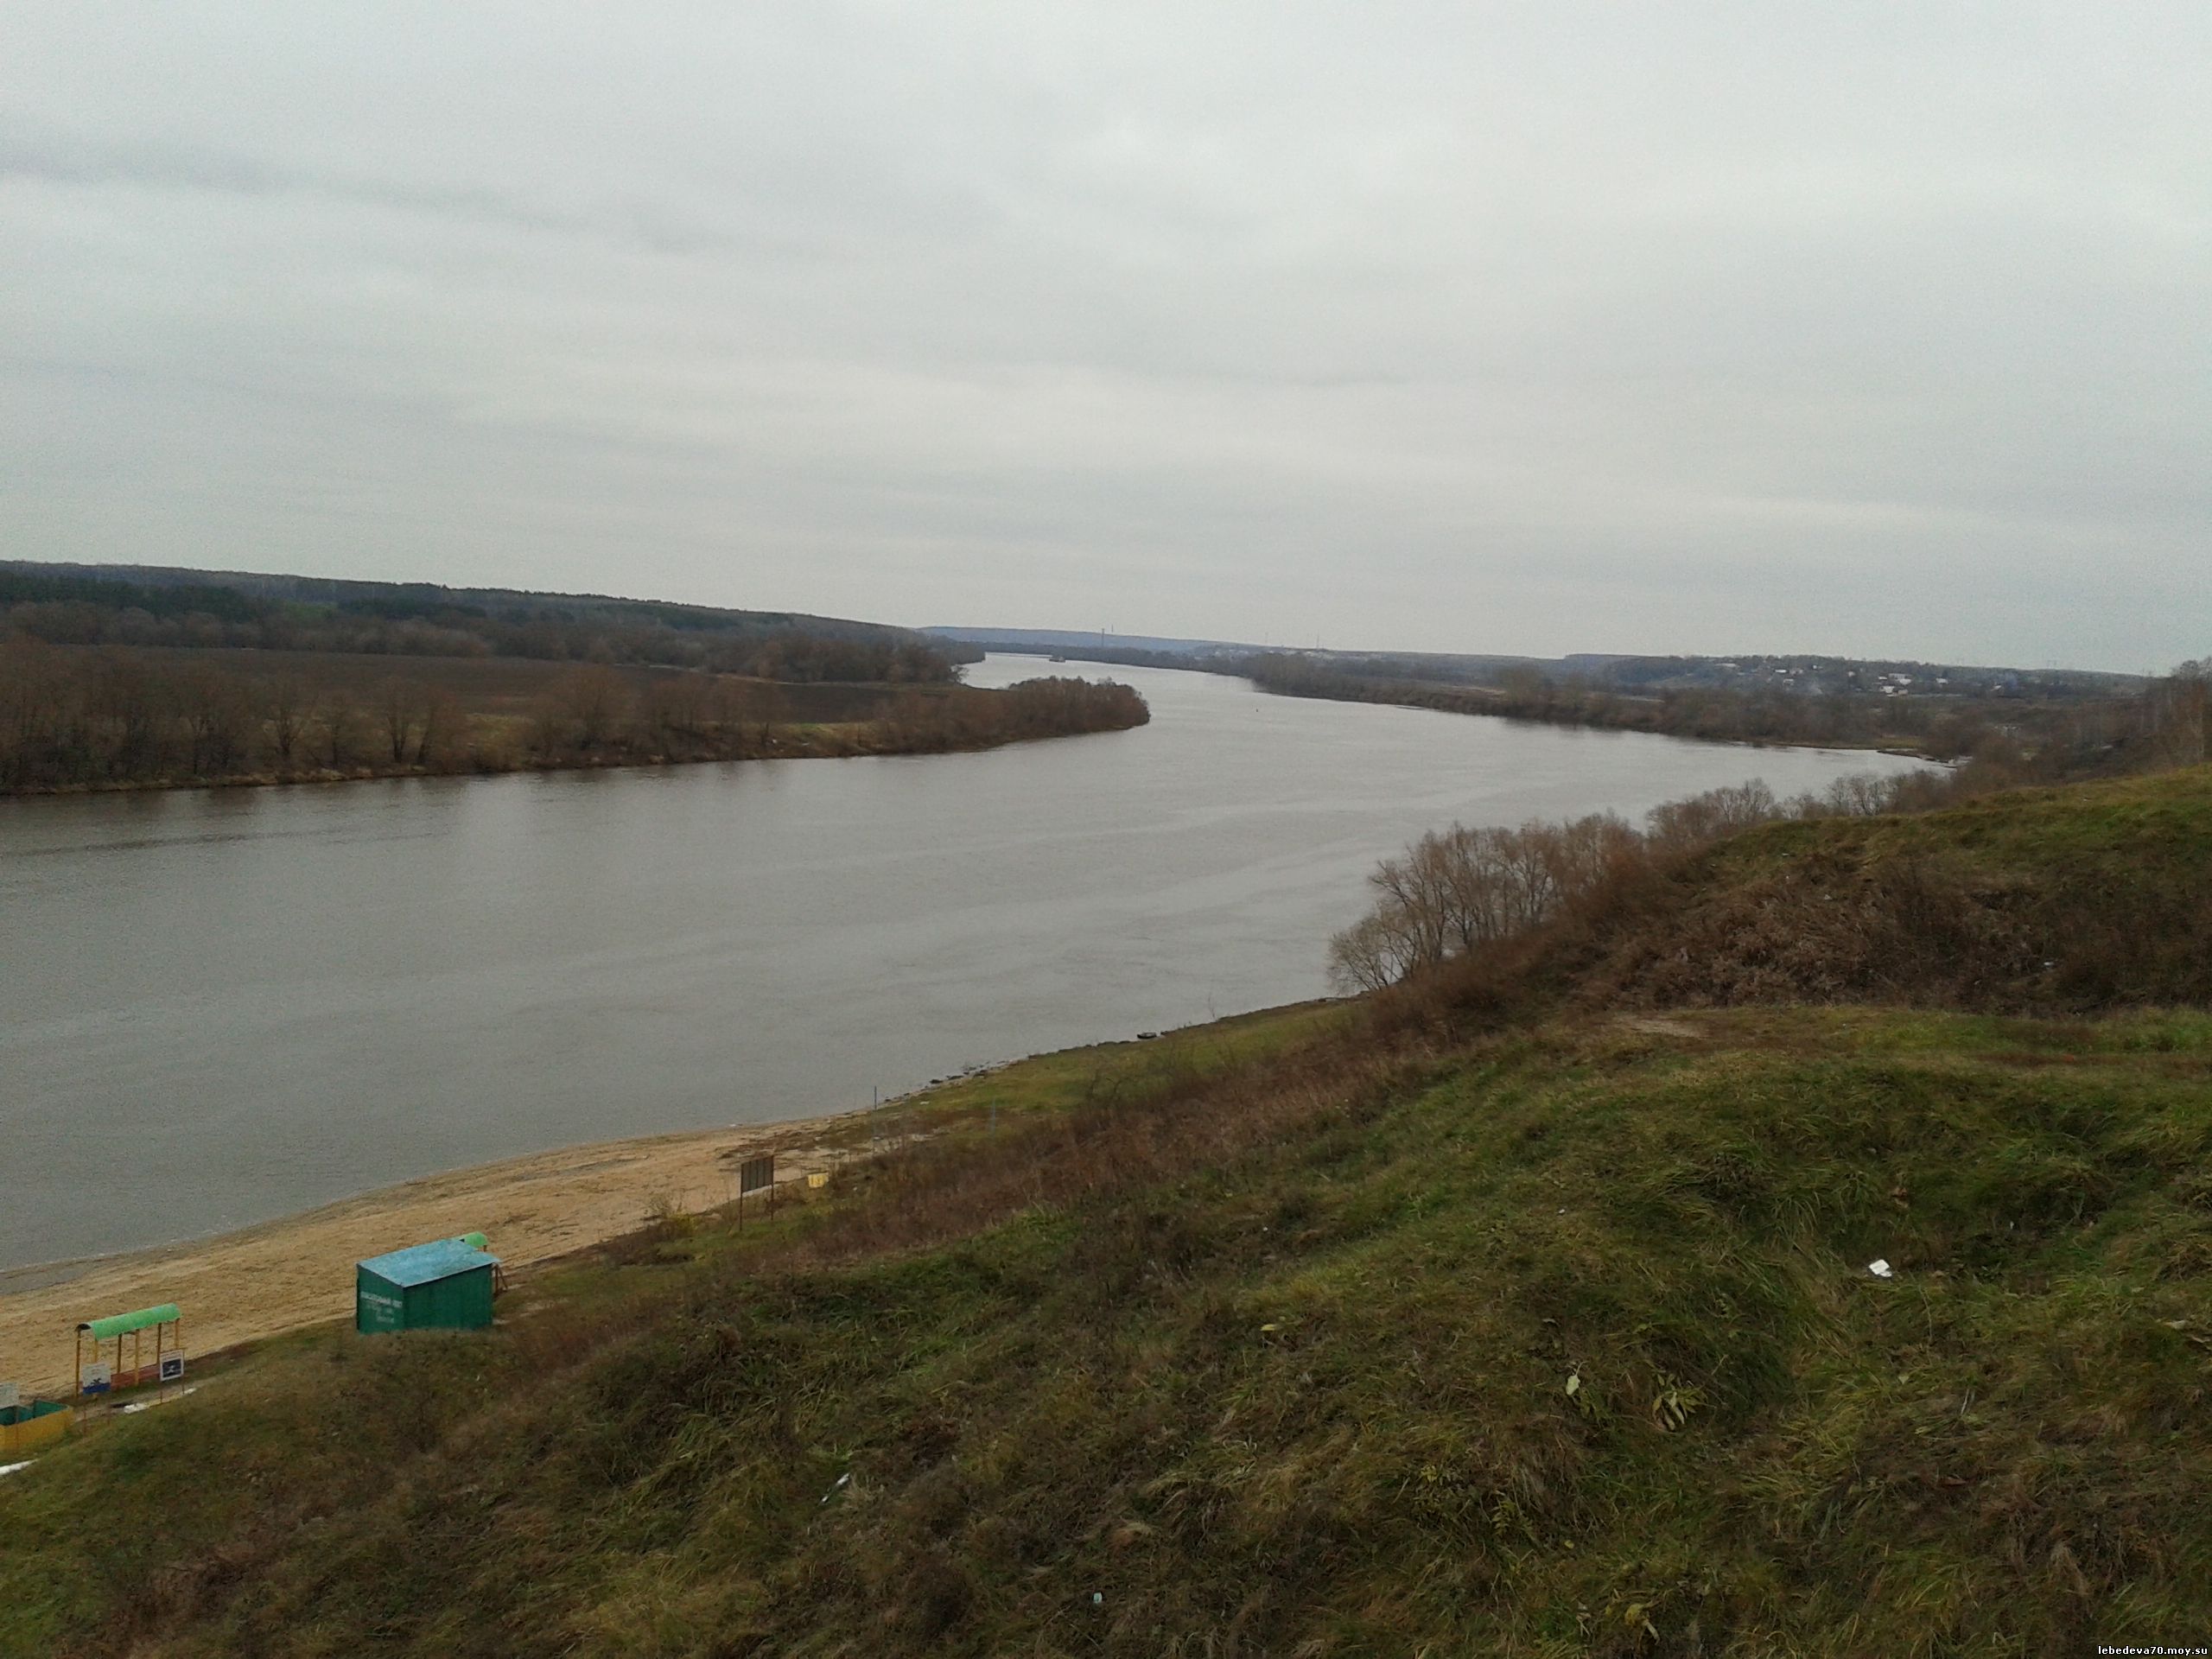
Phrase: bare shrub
(1455, 891)
(1459, 891)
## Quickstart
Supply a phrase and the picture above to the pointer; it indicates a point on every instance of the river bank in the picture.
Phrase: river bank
(298, 1271)
(829, 740)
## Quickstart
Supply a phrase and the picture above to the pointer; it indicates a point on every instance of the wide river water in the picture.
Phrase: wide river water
(218, 1007)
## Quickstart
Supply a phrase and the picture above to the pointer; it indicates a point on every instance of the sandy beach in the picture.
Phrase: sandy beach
(297, 1271)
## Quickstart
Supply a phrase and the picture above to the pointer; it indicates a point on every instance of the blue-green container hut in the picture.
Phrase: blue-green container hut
(446, 1285)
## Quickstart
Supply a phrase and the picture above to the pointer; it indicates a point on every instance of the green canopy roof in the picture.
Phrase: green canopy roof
(116, 1325)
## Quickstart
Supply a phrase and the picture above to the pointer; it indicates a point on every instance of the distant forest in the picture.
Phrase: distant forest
(1947, 712)
(72, 604)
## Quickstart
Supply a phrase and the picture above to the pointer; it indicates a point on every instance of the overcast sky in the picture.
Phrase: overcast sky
(1882, 329)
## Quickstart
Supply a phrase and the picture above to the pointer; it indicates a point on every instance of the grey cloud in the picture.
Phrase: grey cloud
(75, 162)
(1708, 325)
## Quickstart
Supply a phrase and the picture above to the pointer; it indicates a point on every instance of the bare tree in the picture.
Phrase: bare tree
(219, 719)
(284, 704)
(1374, 951)
(595, 701)
(343, 731)
(2180, 715)
(444, 726)
(398, 703)
(1460, 890)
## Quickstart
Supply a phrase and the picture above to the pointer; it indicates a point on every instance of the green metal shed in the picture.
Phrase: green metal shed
(445, 1285)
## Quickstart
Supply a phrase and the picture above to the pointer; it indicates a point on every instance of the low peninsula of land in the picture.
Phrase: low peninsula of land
(134, 677)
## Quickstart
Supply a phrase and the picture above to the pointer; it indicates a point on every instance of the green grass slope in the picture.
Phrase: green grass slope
(1318, 1338)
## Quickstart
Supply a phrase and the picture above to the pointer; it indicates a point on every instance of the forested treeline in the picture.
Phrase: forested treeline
(65, 608)
(76, 718)
(2067, 735)
(1713, 715)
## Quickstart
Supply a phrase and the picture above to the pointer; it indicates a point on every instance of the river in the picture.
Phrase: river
(221, 1006)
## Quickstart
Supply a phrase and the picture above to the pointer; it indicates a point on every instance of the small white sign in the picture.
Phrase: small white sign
(11, 1394)
(172, 1367)
(96, 1377)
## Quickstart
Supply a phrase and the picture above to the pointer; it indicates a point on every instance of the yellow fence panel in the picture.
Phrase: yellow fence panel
(20, 1439)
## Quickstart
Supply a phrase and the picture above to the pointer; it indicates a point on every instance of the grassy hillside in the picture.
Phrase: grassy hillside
(2056, 899)
(1322, 1335)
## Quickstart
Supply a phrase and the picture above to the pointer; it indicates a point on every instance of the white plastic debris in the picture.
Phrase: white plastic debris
(837, 1485)
(147, 1405)
(1880, 1268)
(10, 1468)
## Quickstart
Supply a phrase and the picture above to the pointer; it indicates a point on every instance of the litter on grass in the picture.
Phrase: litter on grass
(144, 1405)
(1880, 1268)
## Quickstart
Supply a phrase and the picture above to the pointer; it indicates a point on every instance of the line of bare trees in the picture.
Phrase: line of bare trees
(75, 719)
(111, 718)
(1030, 709)
(1455, 891)
(1713, 714)
(2061, 738)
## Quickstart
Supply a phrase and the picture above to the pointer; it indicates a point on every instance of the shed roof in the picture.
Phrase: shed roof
(116, 1325)
(419, 1264)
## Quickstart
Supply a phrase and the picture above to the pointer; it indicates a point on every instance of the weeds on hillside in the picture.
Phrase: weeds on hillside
(2079, 899)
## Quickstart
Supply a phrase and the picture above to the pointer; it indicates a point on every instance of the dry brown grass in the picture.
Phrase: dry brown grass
(1136, 1131)
(2108, 903)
